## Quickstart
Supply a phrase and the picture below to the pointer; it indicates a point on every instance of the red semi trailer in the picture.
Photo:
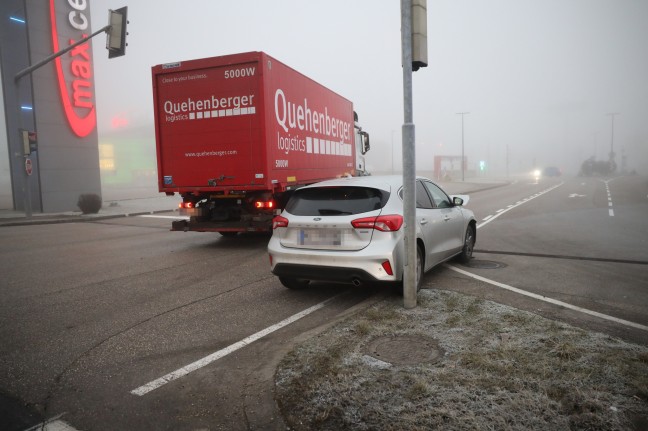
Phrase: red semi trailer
(236, 134)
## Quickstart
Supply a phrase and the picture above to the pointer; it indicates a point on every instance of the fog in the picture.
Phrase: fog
(538, 78)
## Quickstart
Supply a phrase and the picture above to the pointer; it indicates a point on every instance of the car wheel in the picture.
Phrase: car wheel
(419, 272)
(469, 244)
(294, 283)
(419, 268)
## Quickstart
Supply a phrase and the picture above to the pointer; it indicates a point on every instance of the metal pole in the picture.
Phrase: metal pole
(409, 163)
(42, 63)
(463, 160)
(612, 114)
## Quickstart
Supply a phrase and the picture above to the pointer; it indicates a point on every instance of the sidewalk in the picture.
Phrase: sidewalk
(110, 209)
(151, 205)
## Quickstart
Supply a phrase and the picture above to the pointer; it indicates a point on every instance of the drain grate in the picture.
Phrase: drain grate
(484, 264)
(405, 350)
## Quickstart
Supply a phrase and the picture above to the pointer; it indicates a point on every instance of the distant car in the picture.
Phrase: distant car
(351, 230)
(551, 171)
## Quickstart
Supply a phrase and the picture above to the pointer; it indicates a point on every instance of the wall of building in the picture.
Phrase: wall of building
(66, 163)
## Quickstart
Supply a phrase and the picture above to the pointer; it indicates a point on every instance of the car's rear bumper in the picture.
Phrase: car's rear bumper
(324, 273)
(338, 266)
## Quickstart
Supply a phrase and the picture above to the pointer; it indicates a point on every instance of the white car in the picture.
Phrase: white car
(351, 230)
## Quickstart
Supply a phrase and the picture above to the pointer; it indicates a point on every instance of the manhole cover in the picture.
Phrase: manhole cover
(484, 264)
(405, 350)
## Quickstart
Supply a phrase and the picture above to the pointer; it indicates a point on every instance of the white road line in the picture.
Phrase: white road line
(549, 300)
(487, 217)
(178, 217)
(611, 213)
(181, 372)
(502, 211)
(54, 424)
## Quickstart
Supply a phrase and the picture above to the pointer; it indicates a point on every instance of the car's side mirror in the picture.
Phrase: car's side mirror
(460, 200)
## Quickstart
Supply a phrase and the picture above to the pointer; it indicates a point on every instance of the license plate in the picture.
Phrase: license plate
(320, 237)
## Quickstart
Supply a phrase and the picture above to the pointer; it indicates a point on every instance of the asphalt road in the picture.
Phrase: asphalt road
(93, 311)
(580, 241)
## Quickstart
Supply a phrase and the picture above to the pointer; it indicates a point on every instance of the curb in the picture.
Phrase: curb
(77, 218)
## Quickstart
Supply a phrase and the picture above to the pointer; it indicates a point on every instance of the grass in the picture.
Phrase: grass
(503, 369)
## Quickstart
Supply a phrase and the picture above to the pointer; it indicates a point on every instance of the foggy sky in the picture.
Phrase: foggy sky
(537, 76)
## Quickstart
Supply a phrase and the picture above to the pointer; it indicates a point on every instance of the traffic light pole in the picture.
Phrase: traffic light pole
(409, 161)
(42, 63)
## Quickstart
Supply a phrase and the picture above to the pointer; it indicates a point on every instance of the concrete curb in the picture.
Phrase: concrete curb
(75, 218)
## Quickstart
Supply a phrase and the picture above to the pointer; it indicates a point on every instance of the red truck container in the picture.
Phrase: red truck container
(236, 134)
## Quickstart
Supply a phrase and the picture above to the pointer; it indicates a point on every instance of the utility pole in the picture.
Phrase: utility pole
(463, 160)
(612, 114)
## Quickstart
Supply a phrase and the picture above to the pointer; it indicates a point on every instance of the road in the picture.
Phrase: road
(94, 311)
(580, 241)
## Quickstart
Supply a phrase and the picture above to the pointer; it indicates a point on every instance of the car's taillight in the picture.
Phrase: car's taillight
(279, 221)
(187, 205)
(386, 223)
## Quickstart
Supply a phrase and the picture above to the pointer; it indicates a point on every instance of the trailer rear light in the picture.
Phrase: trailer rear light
(387, 267)
(268, 205)
(187, 205)
(279, 221)
(386, 223)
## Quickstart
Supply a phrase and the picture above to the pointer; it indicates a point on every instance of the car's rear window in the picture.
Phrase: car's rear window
(334, 201)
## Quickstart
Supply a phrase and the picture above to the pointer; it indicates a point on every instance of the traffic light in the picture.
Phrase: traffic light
(30, 144)
(419, 34)
(116, 34)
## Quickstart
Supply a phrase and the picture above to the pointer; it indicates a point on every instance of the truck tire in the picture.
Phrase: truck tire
(228, 234)
(294, 283)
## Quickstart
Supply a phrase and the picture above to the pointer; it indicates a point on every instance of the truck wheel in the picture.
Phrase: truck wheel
(294, 283)
(228, 233)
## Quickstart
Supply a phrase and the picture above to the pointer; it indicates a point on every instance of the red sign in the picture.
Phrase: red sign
(75, 84)
(28, 166)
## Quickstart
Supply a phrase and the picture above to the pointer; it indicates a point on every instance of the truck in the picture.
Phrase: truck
(237, 134)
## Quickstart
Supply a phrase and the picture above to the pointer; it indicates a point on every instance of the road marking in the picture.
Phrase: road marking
(487, 217)
(178, 217)
(609, 195)
(54, 424)
(549, 300)
(502, 211)
(181, 372)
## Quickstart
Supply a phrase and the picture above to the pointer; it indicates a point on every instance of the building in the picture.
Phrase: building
(56, 102)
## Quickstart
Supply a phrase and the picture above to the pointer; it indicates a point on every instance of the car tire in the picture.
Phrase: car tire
(419, 268)
(469, 244)
(294, 283)
(419, 272)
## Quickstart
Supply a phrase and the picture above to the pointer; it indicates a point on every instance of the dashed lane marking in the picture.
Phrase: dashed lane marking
(499, 212)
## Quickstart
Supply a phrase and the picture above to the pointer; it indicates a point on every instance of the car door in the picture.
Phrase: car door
(431, 224)
(449, 233)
